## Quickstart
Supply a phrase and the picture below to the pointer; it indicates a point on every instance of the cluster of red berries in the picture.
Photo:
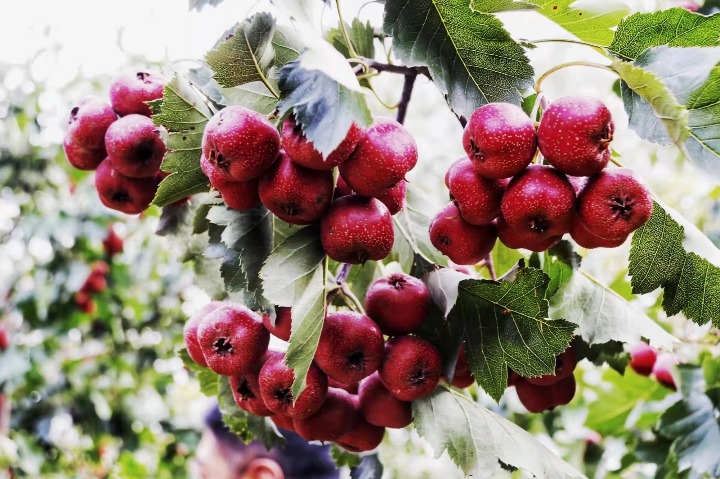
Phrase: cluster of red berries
(120, 141)
(496, 192)
(359, 383)
(4, 338)
(550, 390)
(96, 282)
(248, 162)
(644, 360)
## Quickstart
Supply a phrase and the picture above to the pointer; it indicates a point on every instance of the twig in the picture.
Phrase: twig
(343, 274)
(406, 94)
(566, 65)
(343, 28)
(398, 69)
(490, 265)
(354, 302)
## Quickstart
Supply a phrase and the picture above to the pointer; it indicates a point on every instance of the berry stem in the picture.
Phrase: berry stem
(490, 265)
(343, 274)
(343, 27)
(566, 65)
(616, 162)
(354, 302)
(405, 98)
(536, 106)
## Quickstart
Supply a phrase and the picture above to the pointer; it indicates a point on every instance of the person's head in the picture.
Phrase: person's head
(222, 455)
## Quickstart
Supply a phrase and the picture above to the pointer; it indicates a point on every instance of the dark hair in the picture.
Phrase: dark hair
(297, 458)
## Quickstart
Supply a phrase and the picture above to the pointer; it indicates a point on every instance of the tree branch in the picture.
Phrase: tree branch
(405, 98)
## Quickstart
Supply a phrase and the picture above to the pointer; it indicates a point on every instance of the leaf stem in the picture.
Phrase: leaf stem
(345, 33)
(566, 65)
(265, 81)
(405, 98)
(398, 69)
(536, 106)
(616, 162)
(490, 265)
(349, 295)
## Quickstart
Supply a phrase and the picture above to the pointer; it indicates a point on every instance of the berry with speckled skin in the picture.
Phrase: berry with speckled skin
(240, 143)
(385, 154)
(134, 146)
(642, 358)
(350, 347)
(662, 371)
(303, 152)
(129, 195)
(452, 168)
(129, 93)
(575, 134)
(614, 203)
(283, 323)
(462, 377)
(232, 339)
(333, 420)
(394, 197)
(239, 195)
(276, 381)
(246, 392)
(190, 332)
(564, 366)
(542, 398)
(539, 203)
(517, 238)
(356, 229)
(284, 422)
(398, 303)
(362, 437)
(294, 193)
(84, 140)
(341, 189)
(457, 239)
(411, 367)
(380, 407)
(583, 237)
(477, 198)
(500, 140)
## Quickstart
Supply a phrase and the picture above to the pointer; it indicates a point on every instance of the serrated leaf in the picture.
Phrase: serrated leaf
(560, 264)
(294, 275)
(646, 85)
(287, 44)
(247, 236)
(255, 96)
(658, 258)
(412, 230)
(476, 438)
(495, 6)
(589, 20)
(471, 57)
(245, 55)
(324, 95)
(703, 146)
(184, 115)
(505, 324)
(609, 413)
(243, 424)
(370, 467)
(362, 36)
(200, 4)
(209, 381)
(172, 218)
(675, 27)
(446, 333)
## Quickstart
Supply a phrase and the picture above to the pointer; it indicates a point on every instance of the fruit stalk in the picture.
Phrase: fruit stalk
(566, 65)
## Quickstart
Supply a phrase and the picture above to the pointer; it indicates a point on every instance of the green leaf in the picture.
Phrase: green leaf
(209, 381)
(658, 258)
(184, 115)
(476, 438)
(560, 264)
(343, 458)
(287, 44)
(675, 27)
(243, 424)
(608, 414)
(592, 22)
(703, 146)
(247, 236)
(412, 230)
(324, 95)
(646, 85)
(471, 57)
(294, 275)
(495, 6)
(505, 324)
(362, 36)
(245, 55)
(254, 95)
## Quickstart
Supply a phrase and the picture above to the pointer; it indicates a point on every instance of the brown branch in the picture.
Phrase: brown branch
(405, 98)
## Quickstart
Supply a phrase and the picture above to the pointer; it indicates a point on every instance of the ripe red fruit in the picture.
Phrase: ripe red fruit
(350, 346)
(356, 229)
(4, 338)
(83, 158)
(642, 358)
(190, 332)
(463, 376)
(477, 198)
(284, 422)
(565, 364)
(534, 398)
(283, 323)
(95, 283)
(113, 243)
(246, 392)
(539, 202)
(84, 140)
(394, 197)
(457, 239)
(129, 195)
(303, 152)
(331, 421)
(500, 140)
(517, 239)
(351, 388)
(294, 193)
(411, 367)
(385, 154)
(342, 188)
(451, 170)
(84, 302)
(662, 371)
(380, 407)
(563, 391)
(574, 135)
(614, 203)
(134, 146)
(398, 303)
(129, 93)
(583, 237)
(362, 437)
(233, 339)
(239, 195)
(276, 381)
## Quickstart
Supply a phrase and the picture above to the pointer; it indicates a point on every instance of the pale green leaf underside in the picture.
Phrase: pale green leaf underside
(591, 25)
(703, 106)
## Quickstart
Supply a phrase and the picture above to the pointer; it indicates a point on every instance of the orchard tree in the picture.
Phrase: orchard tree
(301, 201)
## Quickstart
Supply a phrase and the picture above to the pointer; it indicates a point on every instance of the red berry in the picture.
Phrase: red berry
(457, 239)
(303, 152)
(642, 358)
(129, 195)
(398, 303)
(411, 367)
(394, 197)
(662, 370)
(130, 93)
(283, 323)
(113, 243)
(477, 198)
(134, 146)
(246, 392)
(565, 364)
(331, 421)
(190, 332)
(380, 407)
(276, 381)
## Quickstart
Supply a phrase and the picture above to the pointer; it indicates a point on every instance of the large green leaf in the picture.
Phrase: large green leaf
(658, 258)
(476, 438)
(294, 275)
(675, 27)
(471, 57)
(592, 22)
(495, 6)
(412, 230)
(184, 114)
(288, 45)
(324, 95)
(703, 146)
(505, 324)
(362, 36)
